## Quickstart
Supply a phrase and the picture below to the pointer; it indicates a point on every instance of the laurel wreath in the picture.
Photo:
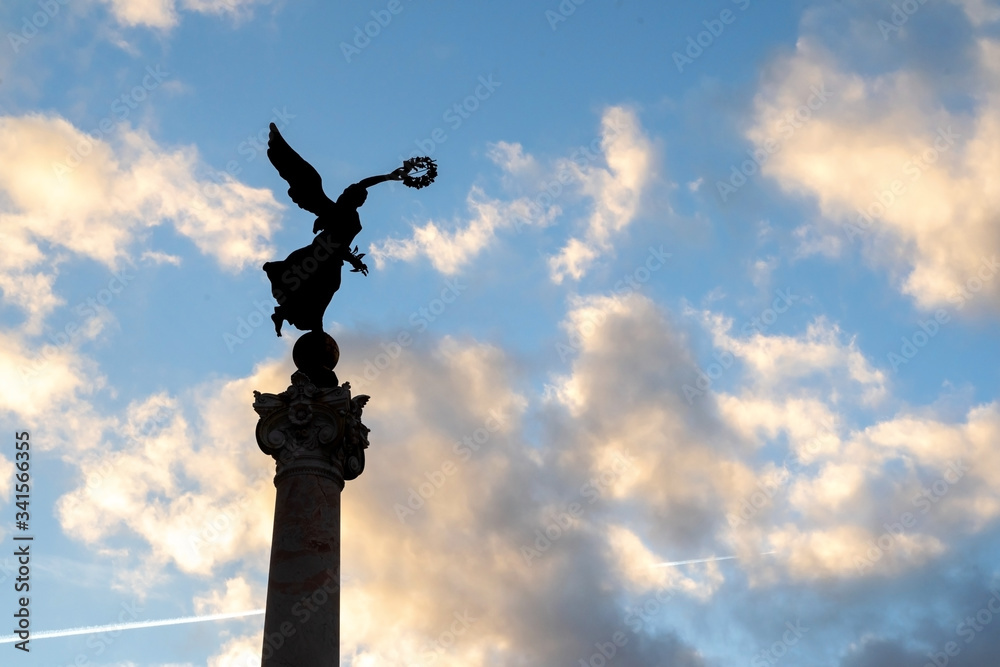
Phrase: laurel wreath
(419, 163)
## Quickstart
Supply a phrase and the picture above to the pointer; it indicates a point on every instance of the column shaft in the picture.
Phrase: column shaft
(302, 621)
(317, 440)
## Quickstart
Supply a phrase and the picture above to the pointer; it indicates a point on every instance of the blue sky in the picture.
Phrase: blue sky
(665, 309)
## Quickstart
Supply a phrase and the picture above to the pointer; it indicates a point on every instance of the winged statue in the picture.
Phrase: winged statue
(304, 282)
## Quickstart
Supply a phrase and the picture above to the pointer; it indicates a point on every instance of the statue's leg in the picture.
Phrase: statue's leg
(277, 319)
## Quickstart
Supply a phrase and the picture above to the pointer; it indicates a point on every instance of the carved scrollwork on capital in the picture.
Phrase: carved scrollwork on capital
(312, 430)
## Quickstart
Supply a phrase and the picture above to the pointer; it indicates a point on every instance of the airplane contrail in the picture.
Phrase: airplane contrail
(8, 639)
(705, 560)
(47, 634)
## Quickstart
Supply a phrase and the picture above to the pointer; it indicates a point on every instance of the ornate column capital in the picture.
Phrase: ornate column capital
(313, 430)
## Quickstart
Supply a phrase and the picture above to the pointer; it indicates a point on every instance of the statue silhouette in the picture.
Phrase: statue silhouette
(304, 282)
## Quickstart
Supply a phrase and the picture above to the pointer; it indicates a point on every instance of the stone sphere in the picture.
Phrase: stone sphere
(315, 350)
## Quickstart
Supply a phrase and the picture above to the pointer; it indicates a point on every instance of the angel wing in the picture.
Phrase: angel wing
(306, 185)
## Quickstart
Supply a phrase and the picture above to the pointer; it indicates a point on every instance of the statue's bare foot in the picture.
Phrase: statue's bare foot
(277, 319)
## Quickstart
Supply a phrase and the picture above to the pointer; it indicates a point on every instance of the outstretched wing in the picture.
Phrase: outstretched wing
(306, 186)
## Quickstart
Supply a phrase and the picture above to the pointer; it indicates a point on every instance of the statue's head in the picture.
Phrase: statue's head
(353, 196)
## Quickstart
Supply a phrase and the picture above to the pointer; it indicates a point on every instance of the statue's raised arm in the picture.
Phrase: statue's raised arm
(396, 175)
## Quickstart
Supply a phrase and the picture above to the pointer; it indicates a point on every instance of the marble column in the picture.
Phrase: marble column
(317, 439)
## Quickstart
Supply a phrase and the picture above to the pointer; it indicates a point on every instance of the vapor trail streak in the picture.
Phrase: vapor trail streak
(8, 639)
(90, 629)
(705, 560)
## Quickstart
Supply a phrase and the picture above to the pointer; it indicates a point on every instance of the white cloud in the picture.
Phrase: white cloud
(151, 13)
(833, 495)
(616, 193)
(46, 381)
(761, 271)
(6, 477)
(809, 424)
(783, 360)
(819, 553)
(980, 12)
(512, 159)
(238, 596)
(638, 566)
(890, 167)
(157, 257)
(688, 472)
(186, 490)
(102, 208)
(166, 485)
(243, 651)
(819, 506)
(450, 251)
(164, 14)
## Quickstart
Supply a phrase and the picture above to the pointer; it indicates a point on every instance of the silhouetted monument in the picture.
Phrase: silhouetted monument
(305, 281)
(313, 429)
